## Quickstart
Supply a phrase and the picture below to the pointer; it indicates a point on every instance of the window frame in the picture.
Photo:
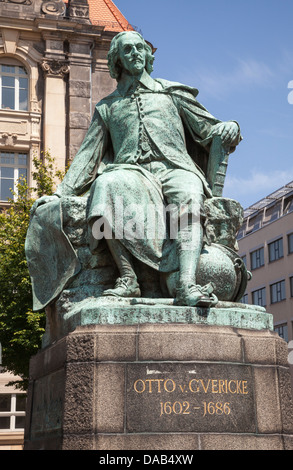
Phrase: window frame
(280, 290)
(261, 295)
(259, 259)
(12, 414)
(16, 166)
(291, 285)
(278, 250)
(290, 242)
(282, 331)
(17, 75)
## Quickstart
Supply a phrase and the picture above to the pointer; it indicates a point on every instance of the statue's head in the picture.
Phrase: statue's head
(130, 52)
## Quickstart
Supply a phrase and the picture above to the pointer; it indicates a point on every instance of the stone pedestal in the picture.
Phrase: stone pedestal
(168, 386)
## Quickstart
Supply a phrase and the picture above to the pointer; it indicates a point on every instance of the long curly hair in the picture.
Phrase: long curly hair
(114, 63)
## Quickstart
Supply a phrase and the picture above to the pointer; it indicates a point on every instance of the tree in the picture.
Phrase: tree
(21, 329)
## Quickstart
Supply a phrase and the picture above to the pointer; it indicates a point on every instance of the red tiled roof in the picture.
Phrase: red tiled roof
(105, 13)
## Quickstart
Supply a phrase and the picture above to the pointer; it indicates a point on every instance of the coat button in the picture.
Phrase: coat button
(145, 146)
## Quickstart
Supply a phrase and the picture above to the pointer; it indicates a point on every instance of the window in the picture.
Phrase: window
(244, 259)
(12, 167)
(278, 292)
(259, 297)
(276, 250)
(282, 331)
(288, 204)
(291, 286)
(244, 299)
(290, 243)
(12, 411)
(257, 258)
(241, 231)
(273, 212)
(254, 223)
(14, 87)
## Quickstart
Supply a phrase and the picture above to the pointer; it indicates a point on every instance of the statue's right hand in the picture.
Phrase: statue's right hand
(42, 200)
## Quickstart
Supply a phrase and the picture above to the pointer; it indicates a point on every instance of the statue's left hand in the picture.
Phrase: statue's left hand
(42, 200)
(228, 131)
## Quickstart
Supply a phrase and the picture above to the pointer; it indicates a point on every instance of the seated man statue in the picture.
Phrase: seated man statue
(136, 151)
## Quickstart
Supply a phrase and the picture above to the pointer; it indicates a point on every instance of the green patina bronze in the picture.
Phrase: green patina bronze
(150, 145)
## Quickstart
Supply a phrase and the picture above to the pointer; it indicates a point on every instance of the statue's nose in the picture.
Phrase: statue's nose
(135, 51)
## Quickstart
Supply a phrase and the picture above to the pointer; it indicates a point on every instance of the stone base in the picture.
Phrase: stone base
(161, 387)
(138, 311)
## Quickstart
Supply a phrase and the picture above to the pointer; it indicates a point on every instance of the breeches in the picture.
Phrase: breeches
(181, 188)
(141, 222)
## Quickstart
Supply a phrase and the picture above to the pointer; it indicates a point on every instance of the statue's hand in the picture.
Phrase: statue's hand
(42, 200)
(228, 131)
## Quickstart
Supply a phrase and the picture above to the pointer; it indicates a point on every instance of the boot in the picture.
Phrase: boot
(124, 287)
(192, 295)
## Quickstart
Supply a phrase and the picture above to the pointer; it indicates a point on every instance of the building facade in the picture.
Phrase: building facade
(266, 245)
(12, 413)
(53, 71)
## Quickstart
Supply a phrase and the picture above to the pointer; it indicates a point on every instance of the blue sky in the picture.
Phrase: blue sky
(239, 54)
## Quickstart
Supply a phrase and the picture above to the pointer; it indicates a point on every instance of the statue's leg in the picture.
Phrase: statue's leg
(101, 211)
(126, 285)
(184, 190)
(189, 245)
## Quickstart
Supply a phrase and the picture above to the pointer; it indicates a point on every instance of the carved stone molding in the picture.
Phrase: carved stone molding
(12, 126)
(34, 107)
(53, 7)
(79, 9)
(9, 139)
(55, 67)
(78, 12)
(19, 2)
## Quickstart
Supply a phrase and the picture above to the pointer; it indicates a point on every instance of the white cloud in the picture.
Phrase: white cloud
(251, 71)
(244, 73)
(256, 185)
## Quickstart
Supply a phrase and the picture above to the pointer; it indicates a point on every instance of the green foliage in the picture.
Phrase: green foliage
(21, 329)
(45, 175)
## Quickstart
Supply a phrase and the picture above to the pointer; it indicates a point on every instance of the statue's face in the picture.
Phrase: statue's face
(132, 53)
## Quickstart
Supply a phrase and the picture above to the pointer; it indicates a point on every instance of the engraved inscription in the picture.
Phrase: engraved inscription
(215, 398)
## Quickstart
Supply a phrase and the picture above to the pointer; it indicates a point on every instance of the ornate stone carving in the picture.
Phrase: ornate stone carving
(20, 2)
(9, 126)
(53, 7)
(9, 139)
(79, 9)
(55, 67)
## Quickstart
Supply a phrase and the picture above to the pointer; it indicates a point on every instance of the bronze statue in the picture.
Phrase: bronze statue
(153, 145)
